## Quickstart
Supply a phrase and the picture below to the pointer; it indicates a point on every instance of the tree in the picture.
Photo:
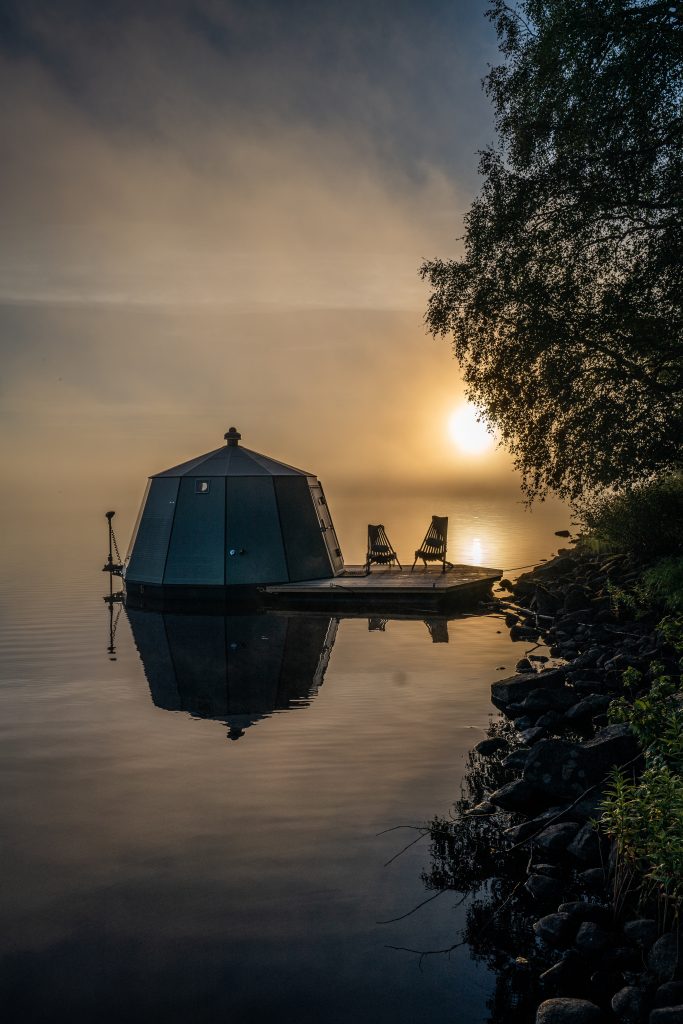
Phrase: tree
(566, 308)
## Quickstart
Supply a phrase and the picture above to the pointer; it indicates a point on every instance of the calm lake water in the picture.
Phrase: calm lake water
(181, 849)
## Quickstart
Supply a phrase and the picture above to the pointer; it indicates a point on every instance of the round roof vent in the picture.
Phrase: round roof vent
(233, 437)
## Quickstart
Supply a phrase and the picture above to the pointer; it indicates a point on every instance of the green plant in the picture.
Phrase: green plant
(663, 585)
(652, 716)
(646, 520)
(671, 628)
(645, 820)
(644, 816)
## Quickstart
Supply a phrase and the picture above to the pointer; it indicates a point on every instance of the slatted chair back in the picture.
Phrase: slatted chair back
(380, 550)
(433, 547)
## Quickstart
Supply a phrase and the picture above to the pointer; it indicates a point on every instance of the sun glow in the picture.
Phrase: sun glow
(471, 435)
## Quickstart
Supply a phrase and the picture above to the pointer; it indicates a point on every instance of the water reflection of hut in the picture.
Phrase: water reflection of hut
(231, 518)
(234, 668)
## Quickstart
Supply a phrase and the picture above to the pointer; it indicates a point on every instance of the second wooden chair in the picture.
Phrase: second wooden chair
(380, 550)
(433, 547)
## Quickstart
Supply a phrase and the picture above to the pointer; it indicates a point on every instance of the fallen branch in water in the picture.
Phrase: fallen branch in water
(461, 942)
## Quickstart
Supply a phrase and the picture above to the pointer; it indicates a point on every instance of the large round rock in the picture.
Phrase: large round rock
(568, 1011)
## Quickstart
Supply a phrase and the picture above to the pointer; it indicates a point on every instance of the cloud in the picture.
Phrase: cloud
(217, 211)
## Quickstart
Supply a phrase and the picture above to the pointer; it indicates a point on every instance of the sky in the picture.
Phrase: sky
(213, 213)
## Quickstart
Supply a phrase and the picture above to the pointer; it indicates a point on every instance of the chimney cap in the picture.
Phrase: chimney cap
(233, 437)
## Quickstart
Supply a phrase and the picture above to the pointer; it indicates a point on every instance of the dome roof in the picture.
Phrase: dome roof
(233, 460)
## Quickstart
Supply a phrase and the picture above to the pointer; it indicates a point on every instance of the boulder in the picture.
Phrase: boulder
(555, 839)
(552, 766)
(588, 807)
(567, 769)
(551, 870)
(491, 745)
(585, 846)
(558, 699)
(667, 1015)
(547, 602)
(664, 959)
(481, 810)
(551, 721)
(517, 795)
(568, 1011)
(622, 958)
(532, 735)
(543, 888)
(516, 759)
(576, 599)
(581, 910)
(588, 659)
(591, 938)
(566, 977)
(642, 932)
(592, 705)
(523, 665)
(669, 994)
(593, 879)
(524, 633)
(629, 1004)
(523, 722)
(518, 833)
(555, 930)
(604, 983)
(515, 689)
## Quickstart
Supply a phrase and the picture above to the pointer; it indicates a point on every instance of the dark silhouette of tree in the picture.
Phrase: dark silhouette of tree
(566, 308)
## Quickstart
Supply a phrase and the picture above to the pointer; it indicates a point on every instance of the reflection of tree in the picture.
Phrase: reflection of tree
(468, 855)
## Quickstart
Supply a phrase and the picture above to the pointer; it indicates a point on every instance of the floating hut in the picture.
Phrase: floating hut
(231, 518)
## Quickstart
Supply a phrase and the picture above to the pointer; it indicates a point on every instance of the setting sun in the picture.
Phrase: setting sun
(471, 435)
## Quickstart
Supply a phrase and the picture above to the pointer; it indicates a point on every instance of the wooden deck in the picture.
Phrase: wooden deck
(381, 587)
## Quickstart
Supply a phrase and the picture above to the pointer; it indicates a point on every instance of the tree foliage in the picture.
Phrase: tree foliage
(566, 308)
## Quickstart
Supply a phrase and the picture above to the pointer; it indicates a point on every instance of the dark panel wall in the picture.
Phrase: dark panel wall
(253, 527)
(307, 557)
(195, 553)
(151, 543)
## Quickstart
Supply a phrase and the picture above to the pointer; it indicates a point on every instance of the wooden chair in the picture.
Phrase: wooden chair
(433, 547)
(438, 630)
(380, 550)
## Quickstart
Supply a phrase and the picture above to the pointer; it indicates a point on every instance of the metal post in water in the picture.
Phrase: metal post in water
(111, 566)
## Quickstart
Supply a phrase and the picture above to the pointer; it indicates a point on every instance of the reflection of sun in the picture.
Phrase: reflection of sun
(472, 436)
(476, 551)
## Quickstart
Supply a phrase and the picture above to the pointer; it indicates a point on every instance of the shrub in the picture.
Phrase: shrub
(644, 817)
(645, 520)
(663, 584)
(645, 820)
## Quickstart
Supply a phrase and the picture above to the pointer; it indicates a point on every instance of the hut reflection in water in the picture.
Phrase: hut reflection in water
(239, 669)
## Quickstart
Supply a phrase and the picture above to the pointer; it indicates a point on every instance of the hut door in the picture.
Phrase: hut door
(325, 520)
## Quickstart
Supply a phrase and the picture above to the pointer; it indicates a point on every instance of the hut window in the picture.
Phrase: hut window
(202, 486)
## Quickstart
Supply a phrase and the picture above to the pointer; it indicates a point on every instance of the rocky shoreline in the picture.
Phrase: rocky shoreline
(601, 961)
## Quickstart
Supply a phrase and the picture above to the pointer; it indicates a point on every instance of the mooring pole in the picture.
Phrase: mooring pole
(110, 516)
(116, 568)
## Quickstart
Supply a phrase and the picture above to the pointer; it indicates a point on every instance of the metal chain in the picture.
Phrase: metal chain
(116, 547)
